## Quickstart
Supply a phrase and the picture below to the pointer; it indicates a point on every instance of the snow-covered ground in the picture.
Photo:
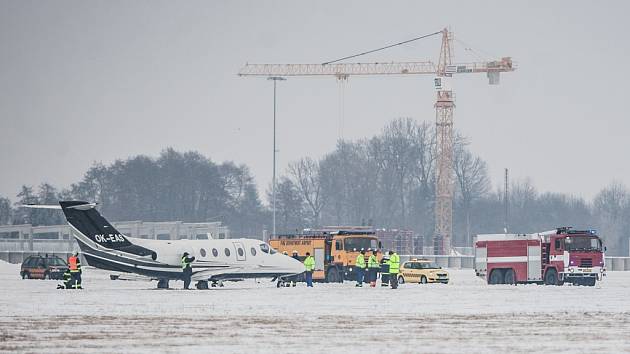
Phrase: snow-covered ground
(465, 315)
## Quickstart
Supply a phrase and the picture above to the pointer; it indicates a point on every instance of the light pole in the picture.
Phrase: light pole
(275, 79)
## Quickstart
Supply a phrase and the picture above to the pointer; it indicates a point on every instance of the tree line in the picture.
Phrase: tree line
(386, 181)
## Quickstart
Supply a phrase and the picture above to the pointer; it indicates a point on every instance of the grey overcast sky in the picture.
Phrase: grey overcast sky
(86, 81)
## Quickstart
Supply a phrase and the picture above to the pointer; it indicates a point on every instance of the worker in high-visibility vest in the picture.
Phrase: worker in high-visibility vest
(394, 268)
(187, 269)
(74, 265)
(359, 267)
(309, 264)
(373, 268)
(67, 277)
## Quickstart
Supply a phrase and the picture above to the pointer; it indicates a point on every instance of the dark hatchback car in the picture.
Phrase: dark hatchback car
(43, 267)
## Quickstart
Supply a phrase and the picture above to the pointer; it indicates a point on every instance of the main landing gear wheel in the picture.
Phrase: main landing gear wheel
(202, 285)
(162, 284)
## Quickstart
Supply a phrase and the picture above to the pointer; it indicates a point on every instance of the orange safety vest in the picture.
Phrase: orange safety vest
(73, 263)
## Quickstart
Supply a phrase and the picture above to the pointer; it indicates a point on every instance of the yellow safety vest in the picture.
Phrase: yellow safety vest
(373, 262)
(185, 263)
(309, 263)
(394, 263)
(360, 263)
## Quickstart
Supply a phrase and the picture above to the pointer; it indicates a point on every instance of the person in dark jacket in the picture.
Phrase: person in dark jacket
(294, 278)
(67, 277)
(187, 269)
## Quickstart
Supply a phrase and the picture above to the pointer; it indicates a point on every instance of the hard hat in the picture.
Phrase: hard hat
(295, 252)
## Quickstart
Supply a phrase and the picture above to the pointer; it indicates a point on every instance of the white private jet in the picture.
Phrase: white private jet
(215, 260)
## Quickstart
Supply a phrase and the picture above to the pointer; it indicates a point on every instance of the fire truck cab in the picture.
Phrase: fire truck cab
(335, 249)
(551, 257)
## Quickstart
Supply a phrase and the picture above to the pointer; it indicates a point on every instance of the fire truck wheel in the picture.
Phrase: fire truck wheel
(332, 276)
(590, 281)
(496, 277)
(551, 277)
(509, 277)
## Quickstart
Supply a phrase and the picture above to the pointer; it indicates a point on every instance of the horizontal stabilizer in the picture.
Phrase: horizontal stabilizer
(84, 206)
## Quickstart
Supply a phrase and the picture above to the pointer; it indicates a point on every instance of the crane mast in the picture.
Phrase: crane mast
(444, 106)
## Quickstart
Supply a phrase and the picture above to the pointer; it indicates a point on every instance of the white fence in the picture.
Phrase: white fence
(468, 262)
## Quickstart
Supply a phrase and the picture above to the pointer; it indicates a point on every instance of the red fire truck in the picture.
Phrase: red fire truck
(552, 258)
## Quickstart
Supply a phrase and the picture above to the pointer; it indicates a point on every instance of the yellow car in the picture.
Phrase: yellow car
(422, 271)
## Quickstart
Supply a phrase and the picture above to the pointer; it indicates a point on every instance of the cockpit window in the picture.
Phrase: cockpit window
(265, 248)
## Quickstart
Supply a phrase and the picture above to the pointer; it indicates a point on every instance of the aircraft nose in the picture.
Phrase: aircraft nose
(295, 266)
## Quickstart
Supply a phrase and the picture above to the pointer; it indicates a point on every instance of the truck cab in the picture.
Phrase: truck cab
(577, 256)
(335, 249)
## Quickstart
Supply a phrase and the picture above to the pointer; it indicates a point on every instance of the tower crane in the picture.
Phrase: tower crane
(444, 105)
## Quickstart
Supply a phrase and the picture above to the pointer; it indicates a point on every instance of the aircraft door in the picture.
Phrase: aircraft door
(240, 251)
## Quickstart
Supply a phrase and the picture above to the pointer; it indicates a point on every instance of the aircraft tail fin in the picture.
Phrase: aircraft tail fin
(86, 220)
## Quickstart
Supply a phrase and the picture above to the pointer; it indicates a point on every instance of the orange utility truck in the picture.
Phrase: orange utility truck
(335, 249)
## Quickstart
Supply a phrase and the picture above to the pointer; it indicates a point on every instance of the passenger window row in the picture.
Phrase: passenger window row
(241, 252)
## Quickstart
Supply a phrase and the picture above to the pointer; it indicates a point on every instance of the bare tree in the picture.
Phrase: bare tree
(306, 176)
(472, 182)
(5, 211)
(611, 207)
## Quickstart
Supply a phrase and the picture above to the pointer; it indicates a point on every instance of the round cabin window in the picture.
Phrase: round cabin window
(253, 250)
(240, 251)
(202, 252)
(227, 252)
(215, 252)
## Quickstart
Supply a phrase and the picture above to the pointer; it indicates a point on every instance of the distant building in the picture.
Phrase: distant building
(56, 238)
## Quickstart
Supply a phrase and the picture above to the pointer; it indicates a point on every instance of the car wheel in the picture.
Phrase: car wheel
(25, 275)
(401, 280)
(423, 280)
(46, 276)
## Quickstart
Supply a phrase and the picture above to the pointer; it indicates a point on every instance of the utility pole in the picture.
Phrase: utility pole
(506, 203)
(275, 79)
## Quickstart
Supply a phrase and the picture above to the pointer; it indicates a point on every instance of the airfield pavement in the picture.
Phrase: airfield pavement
(464, 316)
